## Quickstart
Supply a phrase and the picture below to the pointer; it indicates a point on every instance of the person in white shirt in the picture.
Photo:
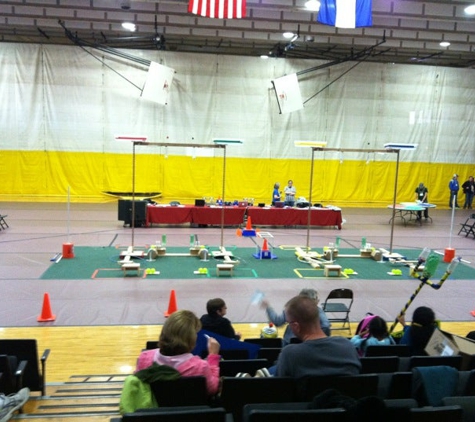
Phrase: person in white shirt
(290, 193)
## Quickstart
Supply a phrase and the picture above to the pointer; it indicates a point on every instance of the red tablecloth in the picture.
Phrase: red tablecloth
(294, 217)
(168, 215)
(233, 216)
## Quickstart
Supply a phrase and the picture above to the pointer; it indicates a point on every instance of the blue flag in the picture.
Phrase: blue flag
(345, 13)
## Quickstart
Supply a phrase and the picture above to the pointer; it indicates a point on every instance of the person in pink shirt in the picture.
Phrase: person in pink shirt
(176, 341)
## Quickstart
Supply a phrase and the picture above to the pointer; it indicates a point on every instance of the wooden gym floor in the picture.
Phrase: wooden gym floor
(111, 345)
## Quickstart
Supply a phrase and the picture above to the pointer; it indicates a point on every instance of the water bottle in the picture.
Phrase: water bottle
(269, 332)
(424, 254)
(453, 264)
(363, 243)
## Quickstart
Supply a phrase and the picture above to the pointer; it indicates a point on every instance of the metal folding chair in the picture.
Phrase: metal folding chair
(468, 227)
(338, 305)
(3, 223)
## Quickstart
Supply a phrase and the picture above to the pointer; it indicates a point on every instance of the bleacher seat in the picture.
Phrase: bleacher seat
(355, 386)
(176, 414)
(401, 350)
(27, 350)
(230, 367)
(439, 414)
(237, 392)
(184, 391)
(379, 364)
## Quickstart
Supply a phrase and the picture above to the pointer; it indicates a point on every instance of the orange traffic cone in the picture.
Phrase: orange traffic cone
(265, 247)
(248, 224)
(46, 314)
(171, 304)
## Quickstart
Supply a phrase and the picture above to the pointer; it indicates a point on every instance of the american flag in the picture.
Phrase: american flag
(221, 9)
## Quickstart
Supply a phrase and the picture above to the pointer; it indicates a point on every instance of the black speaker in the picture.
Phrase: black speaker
(125, 212)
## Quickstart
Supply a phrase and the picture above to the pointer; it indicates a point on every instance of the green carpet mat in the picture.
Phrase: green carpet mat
(101, 262)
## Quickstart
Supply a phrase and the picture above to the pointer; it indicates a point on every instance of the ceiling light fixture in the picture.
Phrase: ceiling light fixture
(444, 43)
(312, 5)
(264, 56)
(294, 37)
(288, 35)
(129, 26)
(470, 10)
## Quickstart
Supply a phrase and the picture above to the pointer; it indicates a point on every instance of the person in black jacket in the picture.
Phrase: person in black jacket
(214, 320)
(469, 191)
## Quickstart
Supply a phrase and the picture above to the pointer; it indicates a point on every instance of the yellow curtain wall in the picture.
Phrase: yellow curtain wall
(44, 175)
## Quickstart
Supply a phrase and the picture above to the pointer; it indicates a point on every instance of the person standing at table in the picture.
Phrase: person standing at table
(421, 197)
(290, 192)
(469, 190)
(454, 190)
(276, 194)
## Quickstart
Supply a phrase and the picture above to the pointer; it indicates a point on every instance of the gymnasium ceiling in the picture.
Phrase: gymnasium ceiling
(403, 31)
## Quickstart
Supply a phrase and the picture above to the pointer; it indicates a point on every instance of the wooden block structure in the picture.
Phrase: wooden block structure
(365, 253)
(330, 269)
(131, 266)
(376, 255)
(161, 251)
(330, 255)
(224, 269)
(195, 250)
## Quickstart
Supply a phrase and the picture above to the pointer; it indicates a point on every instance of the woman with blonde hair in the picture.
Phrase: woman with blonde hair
(176, 341)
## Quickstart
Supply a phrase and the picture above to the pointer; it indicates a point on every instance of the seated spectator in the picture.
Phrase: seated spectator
(279, 319)
(317, 354)
(376, 335)
(418, 334)
(13, 402)
(215, 321)
(176, 341)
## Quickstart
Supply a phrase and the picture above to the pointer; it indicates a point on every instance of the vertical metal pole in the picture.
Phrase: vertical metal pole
(69, 218)
(394, 203)
(133, 195)
(454, 198)
(222, 196)
(309, 216)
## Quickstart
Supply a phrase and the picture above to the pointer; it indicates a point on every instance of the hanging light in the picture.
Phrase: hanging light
(129, 26)
(470, 10)
(312, 5)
